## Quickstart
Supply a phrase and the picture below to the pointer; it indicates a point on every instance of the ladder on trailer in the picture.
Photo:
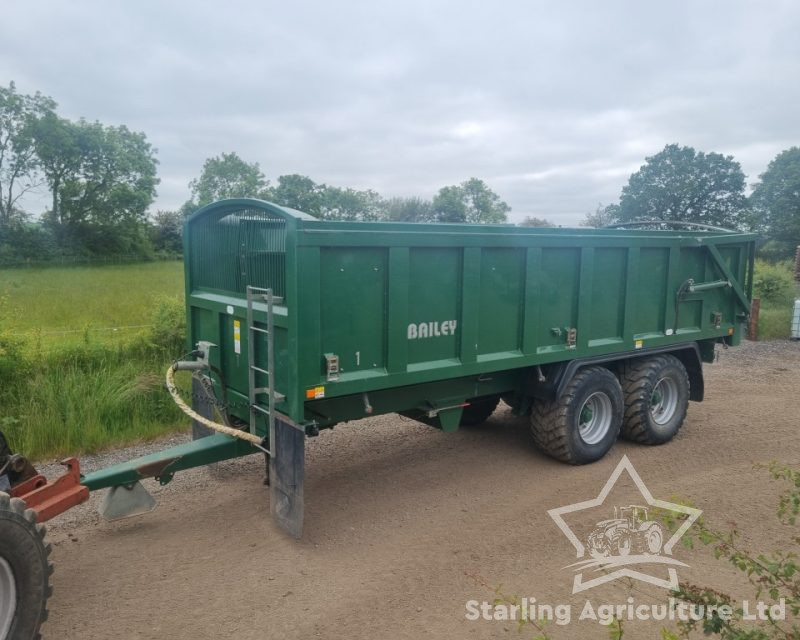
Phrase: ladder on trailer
(257, 294)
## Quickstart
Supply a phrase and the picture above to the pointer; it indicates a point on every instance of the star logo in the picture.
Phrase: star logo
(629, 538)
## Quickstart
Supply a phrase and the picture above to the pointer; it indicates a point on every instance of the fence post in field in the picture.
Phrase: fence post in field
(797, 265)
(752, 330)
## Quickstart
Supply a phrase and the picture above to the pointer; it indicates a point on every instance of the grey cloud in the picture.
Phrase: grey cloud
(553, 105)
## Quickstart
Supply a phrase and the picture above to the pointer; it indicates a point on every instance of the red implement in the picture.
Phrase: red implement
(50, 499)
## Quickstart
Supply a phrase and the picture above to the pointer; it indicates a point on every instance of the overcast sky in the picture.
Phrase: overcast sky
(552, 104)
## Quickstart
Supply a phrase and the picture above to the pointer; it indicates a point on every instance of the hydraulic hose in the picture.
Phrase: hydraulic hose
(216, 426)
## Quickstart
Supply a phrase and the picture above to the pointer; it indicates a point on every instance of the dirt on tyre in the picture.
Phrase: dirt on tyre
(582, 424)
(656, 393)
(25, 571)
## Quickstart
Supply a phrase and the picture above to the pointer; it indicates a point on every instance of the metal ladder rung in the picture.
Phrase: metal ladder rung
(256, 407)
(253, 294)
(264, 293)
(279, 397)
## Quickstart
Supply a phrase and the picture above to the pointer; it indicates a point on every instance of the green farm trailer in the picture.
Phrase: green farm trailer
(296, 324)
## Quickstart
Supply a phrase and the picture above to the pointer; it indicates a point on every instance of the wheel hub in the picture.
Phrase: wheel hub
(664, 401)
(8, 597)
(594, 419)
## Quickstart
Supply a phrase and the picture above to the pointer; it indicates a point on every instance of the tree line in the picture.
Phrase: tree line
(228, 176)
(102, 181)
(682, 184)
(678, 184)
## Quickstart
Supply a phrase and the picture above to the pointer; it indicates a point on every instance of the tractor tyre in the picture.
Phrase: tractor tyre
(25, 571)
(653, 539)
(582, 424)
(656, 398)
(624, 545)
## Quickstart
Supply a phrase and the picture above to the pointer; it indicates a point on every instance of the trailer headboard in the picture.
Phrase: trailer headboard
(235, 243)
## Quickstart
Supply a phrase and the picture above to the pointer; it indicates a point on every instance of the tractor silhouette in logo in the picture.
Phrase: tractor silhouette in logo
(629, 530)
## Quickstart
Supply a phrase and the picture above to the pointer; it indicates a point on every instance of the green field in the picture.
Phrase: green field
(83, 352)
(65, 305)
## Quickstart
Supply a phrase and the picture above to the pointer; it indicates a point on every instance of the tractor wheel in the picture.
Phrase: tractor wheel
(623, 545)
(656, 398)
(653, 538)
(583, 423)
(25, 571)
(478, 411)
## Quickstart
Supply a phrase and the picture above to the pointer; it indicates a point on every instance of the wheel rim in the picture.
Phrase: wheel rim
(8, 597)
(654, 541)
(594, 418)
(664, 401)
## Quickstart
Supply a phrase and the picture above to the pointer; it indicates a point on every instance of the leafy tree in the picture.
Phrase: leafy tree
(774, 284)
(533, 221)
(408, 210)
(227, 176)
(166, 231)
(602, 216)
(102, 179)
(115, 179)
(679, 183)
(776, 201)
(26, 241)
(472, 201)
(324, 201)
(58, 147)
(350, 204)
(449, 205)
(118, 178)
(299, 192)
(18, 160)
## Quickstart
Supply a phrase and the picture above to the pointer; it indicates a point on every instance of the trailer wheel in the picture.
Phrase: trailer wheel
(583, 423)
(478, 411)
(25, 571)
(656, 398)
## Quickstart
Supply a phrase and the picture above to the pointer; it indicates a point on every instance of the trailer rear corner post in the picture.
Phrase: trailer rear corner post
(752, 327)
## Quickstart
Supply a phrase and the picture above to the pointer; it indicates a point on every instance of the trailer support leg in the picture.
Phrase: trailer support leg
(286, 471)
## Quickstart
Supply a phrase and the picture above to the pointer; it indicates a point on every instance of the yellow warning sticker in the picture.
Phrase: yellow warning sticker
(638, 344)
(237, 336)
(315, 393)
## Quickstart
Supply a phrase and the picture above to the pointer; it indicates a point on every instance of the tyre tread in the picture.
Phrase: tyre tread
(635, 377)
(549, 419)
(20, 513)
